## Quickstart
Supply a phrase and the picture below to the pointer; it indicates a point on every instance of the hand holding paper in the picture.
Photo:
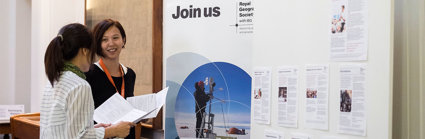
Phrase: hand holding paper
(117, 109)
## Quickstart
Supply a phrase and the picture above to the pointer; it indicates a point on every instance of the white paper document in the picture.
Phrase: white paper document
(316, 96)
(261, 90)
(349, 30)
(149, 101)
(300, 136)
(9, 110)
(331, 137)
(287, 112)
(117, 109)
(352, 115)
(272, 134)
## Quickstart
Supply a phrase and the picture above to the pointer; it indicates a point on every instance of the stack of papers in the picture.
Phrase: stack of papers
(134, 109)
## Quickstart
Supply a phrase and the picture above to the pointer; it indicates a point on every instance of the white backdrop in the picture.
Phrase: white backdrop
(297, 33)
(291, 33)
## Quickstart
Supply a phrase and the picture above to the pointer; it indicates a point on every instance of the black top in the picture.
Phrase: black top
(201, 101)
(102, 88)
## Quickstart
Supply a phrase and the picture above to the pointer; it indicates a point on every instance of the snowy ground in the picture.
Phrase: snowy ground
(190, 131)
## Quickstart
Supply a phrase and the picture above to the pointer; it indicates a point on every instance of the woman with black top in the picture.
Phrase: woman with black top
(107, 76)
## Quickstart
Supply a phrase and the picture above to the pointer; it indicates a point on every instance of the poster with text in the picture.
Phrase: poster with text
(207, 61)
(287, 101)
(349, 30)
(352, 115)
(316, 96)
(261, 87)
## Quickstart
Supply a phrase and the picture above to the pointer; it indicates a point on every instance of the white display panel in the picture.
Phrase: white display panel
(289, 32)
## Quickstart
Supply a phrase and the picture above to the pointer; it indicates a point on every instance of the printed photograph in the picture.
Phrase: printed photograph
(257, 93)
(283, 93)
(214, 101)
(339, 18)
(346, 96)
(311, 93)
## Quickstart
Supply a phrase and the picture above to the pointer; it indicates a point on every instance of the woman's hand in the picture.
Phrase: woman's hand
(102, 125)
(120, 130)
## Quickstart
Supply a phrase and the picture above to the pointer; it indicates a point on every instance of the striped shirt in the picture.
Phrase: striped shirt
(67, 110)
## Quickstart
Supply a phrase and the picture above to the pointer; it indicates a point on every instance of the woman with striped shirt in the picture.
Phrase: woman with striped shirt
(67, 106)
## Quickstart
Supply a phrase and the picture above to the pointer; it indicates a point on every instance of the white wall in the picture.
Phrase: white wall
(23, 54)
(47, 17)
(15, 52)
(28, 26)
(7, 37)
(297, 33)
(409, 70)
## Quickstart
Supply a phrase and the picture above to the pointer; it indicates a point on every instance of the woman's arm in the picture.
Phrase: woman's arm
(79, 114)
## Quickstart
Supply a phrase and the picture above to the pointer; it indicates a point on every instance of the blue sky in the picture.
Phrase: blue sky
(232, 85)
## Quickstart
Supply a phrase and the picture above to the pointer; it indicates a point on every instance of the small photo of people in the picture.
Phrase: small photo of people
(311, 93)
(346, 96)
(283, 93)
(338, 20)
(257, 93)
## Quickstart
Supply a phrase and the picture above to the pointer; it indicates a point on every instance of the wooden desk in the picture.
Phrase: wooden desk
(139, 127)
(25, 126)
(5, 128)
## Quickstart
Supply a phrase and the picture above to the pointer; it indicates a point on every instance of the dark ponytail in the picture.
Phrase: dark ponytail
(53, 60)
(65, 47)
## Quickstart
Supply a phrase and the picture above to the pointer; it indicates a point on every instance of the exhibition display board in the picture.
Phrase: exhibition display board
(207, 60)
(273, 69)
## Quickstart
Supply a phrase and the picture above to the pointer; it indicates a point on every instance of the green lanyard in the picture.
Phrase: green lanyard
(71, 67)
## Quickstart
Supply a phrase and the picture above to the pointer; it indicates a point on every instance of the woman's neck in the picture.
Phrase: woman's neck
(79, 62)
(113, 66)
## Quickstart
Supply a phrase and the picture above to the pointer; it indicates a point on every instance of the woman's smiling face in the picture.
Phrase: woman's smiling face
(112, 43)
